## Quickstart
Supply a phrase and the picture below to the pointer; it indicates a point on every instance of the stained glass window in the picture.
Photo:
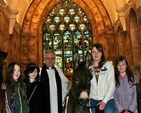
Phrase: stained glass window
(66, 30)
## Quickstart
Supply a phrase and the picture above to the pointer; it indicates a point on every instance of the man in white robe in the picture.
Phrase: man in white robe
(55, 83)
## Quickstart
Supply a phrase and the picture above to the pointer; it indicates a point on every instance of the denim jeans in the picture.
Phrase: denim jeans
(109, 108)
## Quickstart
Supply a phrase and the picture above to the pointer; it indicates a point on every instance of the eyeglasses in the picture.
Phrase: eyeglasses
(52, 58)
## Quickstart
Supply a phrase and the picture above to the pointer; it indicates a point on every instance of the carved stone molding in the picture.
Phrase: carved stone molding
(11, 14)
(123, 12)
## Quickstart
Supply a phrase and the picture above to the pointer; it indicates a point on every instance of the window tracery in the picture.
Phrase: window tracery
(66, 30)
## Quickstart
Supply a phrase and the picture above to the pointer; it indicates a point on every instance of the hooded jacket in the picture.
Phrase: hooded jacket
(105, 87)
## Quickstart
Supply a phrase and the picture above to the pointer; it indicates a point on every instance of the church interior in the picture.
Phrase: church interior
(29, 27)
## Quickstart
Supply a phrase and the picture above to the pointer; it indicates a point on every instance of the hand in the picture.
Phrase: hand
(101, 105)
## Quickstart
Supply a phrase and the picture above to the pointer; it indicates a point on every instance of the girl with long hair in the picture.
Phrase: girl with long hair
(103, 82)
(126, 93)
(35, 92)
(15, 89)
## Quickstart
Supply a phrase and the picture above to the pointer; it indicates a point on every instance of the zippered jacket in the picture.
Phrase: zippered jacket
(105, 87)
(18, 105)
(125, 96)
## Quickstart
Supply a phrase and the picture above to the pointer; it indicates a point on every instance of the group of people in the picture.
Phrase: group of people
(35, 93)
(112, 90)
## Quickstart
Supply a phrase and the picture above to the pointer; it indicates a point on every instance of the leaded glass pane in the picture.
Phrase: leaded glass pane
(80, 11)
(67, 51)
(57, 19)
(87, 40)
(71, 11)
(62, 12)
(72, 27)
(85, 19)
(67, 41)
(67, 19)
(47, 41)
(52, 12)
(52, 27)
(48, 19)
(76, 18)
(66, 3)
(78, 40)
(57, 42)
(61, 27)
(82, 26)
(58, 61)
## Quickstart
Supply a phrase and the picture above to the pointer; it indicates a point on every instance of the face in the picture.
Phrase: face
(16, 72)
(122, 67)
(49, 59)
(33, 75)
(96, 55)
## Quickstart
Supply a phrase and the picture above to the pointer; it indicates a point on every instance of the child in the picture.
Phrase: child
(15, 90)
(35, 92)
(103, 82)
(125, 94)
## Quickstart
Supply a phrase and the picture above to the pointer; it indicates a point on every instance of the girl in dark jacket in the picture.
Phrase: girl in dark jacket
(15, 90)
(35, 92)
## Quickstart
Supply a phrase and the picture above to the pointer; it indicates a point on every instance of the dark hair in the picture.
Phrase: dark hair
(9, 81)
(100, 48)
(29, 69)
(131, 77)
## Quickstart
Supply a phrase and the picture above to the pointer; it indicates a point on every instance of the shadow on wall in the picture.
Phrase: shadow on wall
(3, 55)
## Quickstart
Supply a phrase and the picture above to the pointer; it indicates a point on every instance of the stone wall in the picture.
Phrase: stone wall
(26, 44)
(8, 44)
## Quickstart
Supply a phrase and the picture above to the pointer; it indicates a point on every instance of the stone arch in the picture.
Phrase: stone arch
(31, 50)
(95, 11)
(134, 37)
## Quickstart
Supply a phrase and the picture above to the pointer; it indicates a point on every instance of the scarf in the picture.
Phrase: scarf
(45, 82)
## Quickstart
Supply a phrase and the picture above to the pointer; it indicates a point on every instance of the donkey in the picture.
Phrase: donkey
(78, 98)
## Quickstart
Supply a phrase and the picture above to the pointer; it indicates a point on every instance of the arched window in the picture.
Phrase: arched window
(66, 30)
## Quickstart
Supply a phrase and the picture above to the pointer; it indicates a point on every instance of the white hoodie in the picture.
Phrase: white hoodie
(104, 89)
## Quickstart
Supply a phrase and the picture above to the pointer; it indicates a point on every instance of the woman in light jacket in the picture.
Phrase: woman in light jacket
(103, 82)
(125, 94)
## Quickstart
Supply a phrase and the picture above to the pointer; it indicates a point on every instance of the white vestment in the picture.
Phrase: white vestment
(53, 88)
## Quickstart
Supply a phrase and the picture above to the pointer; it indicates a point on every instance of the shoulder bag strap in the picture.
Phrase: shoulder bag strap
(32, 93)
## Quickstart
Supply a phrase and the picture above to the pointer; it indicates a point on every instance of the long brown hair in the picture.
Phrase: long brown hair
(130, 75)
(9, 81)
(100, 48)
